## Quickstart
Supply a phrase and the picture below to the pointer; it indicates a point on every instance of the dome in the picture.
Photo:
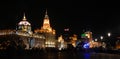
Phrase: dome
(24, 22)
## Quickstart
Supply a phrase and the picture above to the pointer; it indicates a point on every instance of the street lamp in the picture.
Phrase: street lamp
(109, 34)
(96, 39)
(101, 37)
(109, 41)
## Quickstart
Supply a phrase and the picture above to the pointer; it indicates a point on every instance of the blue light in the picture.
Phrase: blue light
(86, 45)
(86, 56)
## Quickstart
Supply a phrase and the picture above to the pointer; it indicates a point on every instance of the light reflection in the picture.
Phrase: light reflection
(86, 56)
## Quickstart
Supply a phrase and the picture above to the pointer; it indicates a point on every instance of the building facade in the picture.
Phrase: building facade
(40, 38)
(31, 40)
(48, 32)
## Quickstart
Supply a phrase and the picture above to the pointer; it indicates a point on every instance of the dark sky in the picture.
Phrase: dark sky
(98, 16)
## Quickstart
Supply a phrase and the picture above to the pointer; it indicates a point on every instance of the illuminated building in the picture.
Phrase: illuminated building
(24, 25)
(118, 43)
(24, 31)
(44, 37)
(74, 40)
(61, 43)
(87, 39)
(31, 40)
(48, 32)
(87, 36)
(66, 34)
(6, 32)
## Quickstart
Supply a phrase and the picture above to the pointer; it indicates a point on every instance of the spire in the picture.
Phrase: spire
(46, 19)
(46, 15)
(46, 22)
(46, 12)
(24, 18)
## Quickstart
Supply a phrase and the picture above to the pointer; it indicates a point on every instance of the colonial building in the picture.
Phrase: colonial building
(40, 38)
(31, 40)
(61, 43)
(48, 32)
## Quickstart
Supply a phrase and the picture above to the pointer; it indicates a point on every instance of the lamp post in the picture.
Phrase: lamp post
(109, 41)
(101, 37)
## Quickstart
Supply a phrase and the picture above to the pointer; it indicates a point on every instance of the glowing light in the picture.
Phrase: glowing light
(109, 34)
(24, 23)
(67, 29)
(86, 55)
(86, 45)
(46, 21)
(101, 37)
(96, 39)
(83, 35)
(60, 48)
(88, 35)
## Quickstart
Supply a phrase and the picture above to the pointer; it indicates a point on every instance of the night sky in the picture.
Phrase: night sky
(99, 17)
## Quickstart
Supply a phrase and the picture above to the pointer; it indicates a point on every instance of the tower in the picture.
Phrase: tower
(46, 22)
(24, 29)
(47, 31)
(46, 25)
